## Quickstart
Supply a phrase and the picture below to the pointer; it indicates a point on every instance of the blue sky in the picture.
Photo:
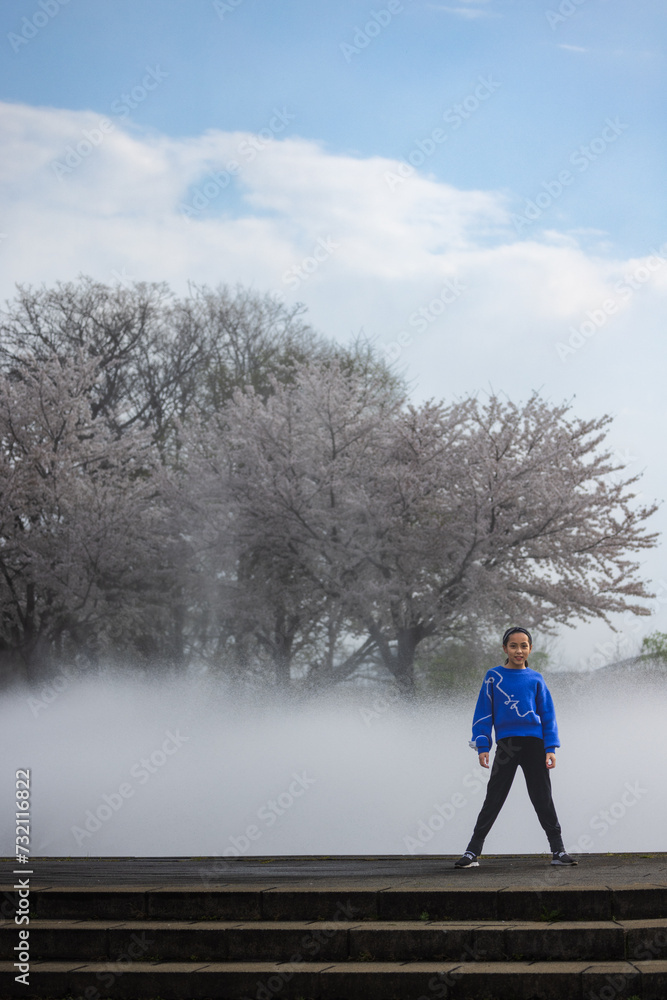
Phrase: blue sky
(559, 78)
(513, 149)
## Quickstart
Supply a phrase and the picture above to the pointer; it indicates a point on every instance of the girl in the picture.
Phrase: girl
(515, 701)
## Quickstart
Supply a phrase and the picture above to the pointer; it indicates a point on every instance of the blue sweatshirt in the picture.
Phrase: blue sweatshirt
(516, 703)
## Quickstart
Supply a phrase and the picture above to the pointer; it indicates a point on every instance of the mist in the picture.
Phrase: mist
(132, 767)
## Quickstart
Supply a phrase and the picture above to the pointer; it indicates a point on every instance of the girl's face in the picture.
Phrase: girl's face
(517, 648)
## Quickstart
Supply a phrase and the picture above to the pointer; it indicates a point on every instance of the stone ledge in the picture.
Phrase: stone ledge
(322, 902)
(353, 980)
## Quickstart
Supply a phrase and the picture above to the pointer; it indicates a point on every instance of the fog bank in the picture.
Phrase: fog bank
(177, 767)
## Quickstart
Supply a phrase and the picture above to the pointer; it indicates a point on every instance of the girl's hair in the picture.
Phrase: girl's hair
(511, 631)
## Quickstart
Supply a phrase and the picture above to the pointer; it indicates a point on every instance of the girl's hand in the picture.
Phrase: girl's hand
(484, 759)
(551, 761)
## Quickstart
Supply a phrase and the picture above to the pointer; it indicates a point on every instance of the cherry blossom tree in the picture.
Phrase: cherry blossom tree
(158, 356)
(269, 472)
(511, 512)
(79, 552)
(132, 365)
(205, 477)
(422, 521)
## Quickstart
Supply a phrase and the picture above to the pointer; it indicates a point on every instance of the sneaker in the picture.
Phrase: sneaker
(468, 860)
(561, 858)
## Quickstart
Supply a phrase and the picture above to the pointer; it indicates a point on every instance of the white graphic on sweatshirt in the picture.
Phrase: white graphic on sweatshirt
(509, 700)
(513, 702)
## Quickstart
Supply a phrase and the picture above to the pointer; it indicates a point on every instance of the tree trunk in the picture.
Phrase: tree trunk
(283, 662)
(285, 630)
(404, 659)
(401, 661)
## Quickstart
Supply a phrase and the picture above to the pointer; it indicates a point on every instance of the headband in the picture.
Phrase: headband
(510, 631)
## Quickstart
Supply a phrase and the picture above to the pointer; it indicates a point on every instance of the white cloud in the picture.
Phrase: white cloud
(394, 238)
(127, 201)
(470, 12)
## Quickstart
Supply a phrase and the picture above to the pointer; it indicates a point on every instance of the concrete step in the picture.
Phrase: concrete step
(377, 937)
(629, 902)
(556, 980)
(339, 941)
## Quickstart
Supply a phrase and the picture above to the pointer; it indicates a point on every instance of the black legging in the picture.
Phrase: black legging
(526, 752)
